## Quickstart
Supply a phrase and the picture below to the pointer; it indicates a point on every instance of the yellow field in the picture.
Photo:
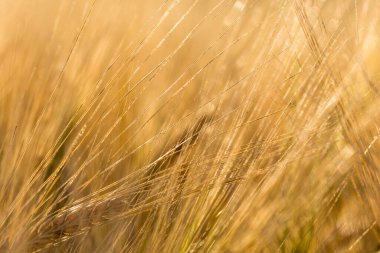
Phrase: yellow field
(189, 126)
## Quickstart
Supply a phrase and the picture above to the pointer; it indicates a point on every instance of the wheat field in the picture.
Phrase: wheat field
(189, 126)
